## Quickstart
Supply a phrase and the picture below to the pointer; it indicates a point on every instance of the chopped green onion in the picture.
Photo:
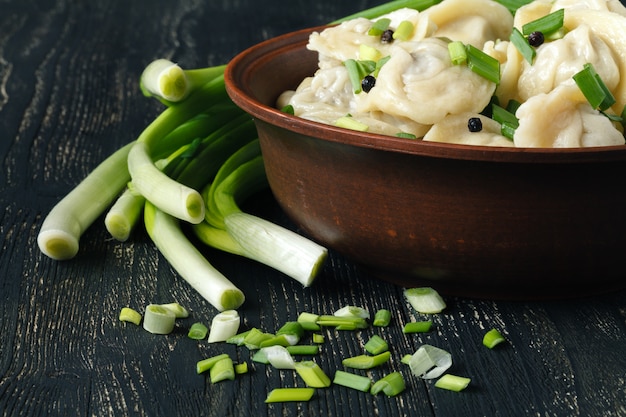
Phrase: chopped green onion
(406, 135)
(452, 382)
(404, 31)
(366, 361)
(292, 331)
(376, 345)
(382, 318)
(280, 395)
(308, 321)
(430, 362)
(482, 64)
(379, 64)
(508, 121)
(197, 331)
(417, 327)
(222, 370)
(492, 338)
(513, 5)
(547, 24)
(425, 300)
(379, 27)
(318, 338)
(357, 70)
(130, 315)
(353, 312)
(406, 359)
(304, 350)
(206, 364)
(458, 53)
(342, 323)
(348, 122)
(279, 357)
(369, 53)
(260, 357)
(224, 326)
(241, 368)
(350, 380)
(523, 47)
(593, 88)
(239, 338)
(179, 311)
(158, 320)
(389, 7)
(312, 375)
(288, 109)
(391, 385)
(255, 337)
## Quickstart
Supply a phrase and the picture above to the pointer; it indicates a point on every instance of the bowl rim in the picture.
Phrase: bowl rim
(237, 73)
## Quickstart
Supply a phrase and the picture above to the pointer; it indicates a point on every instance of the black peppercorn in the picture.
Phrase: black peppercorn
(535, 39)
(474, 124)
(387, 36)
(368, 83)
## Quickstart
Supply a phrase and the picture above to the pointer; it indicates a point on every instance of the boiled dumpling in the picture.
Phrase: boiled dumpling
(423, 85)
(453, 129)
(563, 119)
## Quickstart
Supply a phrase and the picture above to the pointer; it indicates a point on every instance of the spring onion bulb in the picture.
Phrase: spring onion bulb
(352, 311)
(277, 247)
(158, 319)
(197, 331)
(224, 326)
(366, 361)
(425, 300)
(452, 382)
(124, 214)
(391, 385)
(350, 380)
(312, 375)
(376, 345)
(279, 357)
(281, 395)
(382, 318)
(522, 45)
(187, 260)
(430, 362)
(493, 338)
(342, 323)
(62, 228)
(168, 195)
(222, 370)
(130, 315)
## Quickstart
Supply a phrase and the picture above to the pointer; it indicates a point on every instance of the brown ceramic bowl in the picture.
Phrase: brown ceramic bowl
(468, 220)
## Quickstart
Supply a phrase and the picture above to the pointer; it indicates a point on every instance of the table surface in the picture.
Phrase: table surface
(69, 97)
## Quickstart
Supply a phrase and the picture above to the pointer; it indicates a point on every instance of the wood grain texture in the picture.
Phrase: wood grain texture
(69, 98)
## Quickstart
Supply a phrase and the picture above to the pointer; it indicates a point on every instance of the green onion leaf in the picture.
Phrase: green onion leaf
(366, 361)
(350, 380)
(508, 121)
(224, 326)
(522, 45)
(482, 64)
(458, 53)
(391, 385)
(547, 24)
(376, 345)
(308, 321)
(241, 368)
(279, 395)
(417, 327)
(593, 88)
(312, 375)
(379, 27)
(492, 338)
(279, 357)
(452, 382)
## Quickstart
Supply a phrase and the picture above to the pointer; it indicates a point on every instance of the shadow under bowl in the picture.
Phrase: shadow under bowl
(475, 221)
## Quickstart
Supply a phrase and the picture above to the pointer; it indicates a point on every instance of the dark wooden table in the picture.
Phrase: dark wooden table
(68, 98)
